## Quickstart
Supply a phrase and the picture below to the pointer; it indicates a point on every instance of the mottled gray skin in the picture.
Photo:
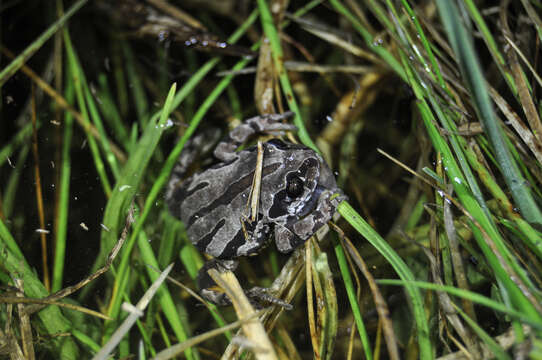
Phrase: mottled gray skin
(295, 198)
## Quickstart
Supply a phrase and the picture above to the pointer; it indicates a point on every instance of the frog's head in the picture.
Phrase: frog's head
(301, 201)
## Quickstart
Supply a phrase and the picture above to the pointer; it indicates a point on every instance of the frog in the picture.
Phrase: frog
(298, 195)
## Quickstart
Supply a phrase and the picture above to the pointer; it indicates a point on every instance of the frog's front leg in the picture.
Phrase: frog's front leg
(255, 235)
(289, 236)
(225, 150)
(258, 296)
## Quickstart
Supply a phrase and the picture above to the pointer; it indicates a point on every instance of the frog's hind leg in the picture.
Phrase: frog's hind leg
(269, 123)
(208, 288)
(259, 297)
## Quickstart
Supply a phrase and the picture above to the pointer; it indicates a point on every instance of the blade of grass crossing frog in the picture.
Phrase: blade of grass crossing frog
(402, 270)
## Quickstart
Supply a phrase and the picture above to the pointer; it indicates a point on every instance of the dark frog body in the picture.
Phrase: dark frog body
(296, 198)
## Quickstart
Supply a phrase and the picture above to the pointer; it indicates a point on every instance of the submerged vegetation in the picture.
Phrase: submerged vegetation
(428, 111)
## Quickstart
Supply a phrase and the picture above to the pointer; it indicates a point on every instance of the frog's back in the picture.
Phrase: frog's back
(210, 204)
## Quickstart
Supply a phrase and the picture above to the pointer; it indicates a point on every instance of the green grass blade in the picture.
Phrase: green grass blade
(61, 226)
(10, 193)
(400, 268)
(123, 194)
(472, 73)
(351, 293)
(90, 111)
(278, 58)
(127, 185)
(111, 113)
(136, 86)
(51, 317)
(85, 340)
(97, 121)
(489, 39)
(21, 137)
(76, 74)
(329, 308)
(469, 295)
(165, 298)
(369, 40)
(9, 242)
(492, 344)
(195, 79)
(435, 68)
(20, 60)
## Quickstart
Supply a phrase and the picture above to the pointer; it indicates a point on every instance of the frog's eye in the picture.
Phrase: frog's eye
(294, 187)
